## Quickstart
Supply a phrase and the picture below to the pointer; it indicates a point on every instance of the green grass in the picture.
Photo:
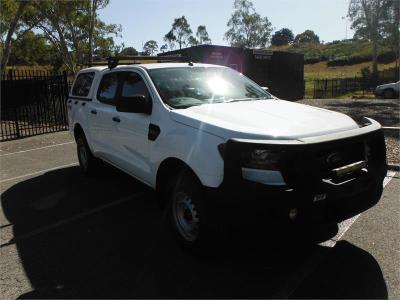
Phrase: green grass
(321, 70)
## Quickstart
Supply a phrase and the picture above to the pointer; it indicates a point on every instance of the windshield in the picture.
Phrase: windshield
(184, 87)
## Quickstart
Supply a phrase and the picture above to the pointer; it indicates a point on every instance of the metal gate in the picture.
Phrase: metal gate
(32, 103)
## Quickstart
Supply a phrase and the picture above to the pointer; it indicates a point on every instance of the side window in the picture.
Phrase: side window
(133, 84)
(82, 84)
(108, 88)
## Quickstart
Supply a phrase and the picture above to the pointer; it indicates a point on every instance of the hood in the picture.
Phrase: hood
(263, 119)
(382, 86)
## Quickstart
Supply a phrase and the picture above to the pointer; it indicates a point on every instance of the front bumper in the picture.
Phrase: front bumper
(311, 189)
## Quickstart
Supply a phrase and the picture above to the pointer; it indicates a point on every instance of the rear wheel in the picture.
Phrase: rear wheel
(87, 162)
(388, 94)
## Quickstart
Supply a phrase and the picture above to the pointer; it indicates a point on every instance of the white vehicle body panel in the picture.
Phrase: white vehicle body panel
(264, 119)
(395, 86)
(192, 135)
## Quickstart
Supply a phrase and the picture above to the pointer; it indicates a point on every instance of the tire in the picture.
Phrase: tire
(87, 162)
(388, 94)
(187, 215)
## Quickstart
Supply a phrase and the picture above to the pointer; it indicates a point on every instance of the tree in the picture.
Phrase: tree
(369, 19)
(202, 35)
(67, 26)
(164, 48)
(180, 33)
(32, 49)
(192, 41)
(307, 37)
(92, 10)
(16, 20)
(129, 51)
(282, 37)
(246, 28)
(391, 29)
(150, 48)
(170, 38)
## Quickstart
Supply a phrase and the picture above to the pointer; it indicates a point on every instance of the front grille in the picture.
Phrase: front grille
(303, 166)
(335, 157)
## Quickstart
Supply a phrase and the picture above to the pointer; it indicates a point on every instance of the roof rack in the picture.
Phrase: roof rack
(114, 61)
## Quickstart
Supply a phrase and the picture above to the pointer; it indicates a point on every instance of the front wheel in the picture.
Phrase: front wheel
(388, 94)
(187, 214)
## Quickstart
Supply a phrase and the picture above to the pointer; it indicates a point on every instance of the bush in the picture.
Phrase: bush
(386, 57)
(383, 58)
(348, 60)
(312, 60)
(366, 72)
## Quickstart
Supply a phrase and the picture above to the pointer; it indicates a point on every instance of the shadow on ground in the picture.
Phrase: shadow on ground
(125, 251)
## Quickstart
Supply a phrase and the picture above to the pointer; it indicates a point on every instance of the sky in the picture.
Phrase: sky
(144, 20)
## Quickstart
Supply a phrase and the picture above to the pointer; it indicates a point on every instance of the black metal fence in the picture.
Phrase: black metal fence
(331, 88)
(32, 102)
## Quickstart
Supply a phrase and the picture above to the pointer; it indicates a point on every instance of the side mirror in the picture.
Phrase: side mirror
(134, 104)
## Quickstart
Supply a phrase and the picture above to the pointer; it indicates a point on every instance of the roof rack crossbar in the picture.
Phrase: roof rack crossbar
(114, 61)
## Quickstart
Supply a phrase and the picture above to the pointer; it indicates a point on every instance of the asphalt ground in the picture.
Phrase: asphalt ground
(64, 235)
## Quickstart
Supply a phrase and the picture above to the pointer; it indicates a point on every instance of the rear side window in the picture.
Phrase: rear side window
(108, 88)
(82, 84)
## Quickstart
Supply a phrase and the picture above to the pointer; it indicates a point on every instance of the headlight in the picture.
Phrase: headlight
(261, 159)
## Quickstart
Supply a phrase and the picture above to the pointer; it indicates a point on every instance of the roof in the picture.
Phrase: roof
(174, 65)
(150, 66)
(97, 68)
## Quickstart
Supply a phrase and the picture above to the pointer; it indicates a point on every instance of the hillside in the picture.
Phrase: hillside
(339, 59)
(321, 70)
(345, 52)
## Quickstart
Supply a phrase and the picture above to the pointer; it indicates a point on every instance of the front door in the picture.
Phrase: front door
(131, 133)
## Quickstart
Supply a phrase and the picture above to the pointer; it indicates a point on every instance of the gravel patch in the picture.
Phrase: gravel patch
(385, 111)
(393, 150)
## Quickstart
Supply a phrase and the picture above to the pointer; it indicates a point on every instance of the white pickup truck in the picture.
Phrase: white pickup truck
(218, 148)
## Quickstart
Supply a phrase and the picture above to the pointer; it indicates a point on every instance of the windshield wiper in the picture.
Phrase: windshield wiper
(186, 106)
(246, 99)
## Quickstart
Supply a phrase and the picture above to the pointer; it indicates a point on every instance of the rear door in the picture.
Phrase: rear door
(101, 114)
(79, 97)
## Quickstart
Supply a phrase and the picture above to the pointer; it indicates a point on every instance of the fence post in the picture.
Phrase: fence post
(314, 95)
(65, 83)
(16, 123)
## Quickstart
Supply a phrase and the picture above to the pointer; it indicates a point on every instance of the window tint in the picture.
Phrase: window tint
(132, 85)
(82, 84)
(108, 88)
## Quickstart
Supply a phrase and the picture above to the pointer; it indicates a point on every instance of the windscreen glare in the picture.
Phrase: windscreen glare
(190, 86)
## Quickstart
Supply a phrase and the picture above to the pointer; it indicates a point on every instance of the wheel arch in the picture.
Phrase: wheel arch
(391, 89)
(78, 130)
(169, 168)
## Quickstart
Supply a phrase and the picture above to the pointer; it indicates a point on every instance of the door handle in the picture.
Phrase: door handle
(93, 111)
(116, 119)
